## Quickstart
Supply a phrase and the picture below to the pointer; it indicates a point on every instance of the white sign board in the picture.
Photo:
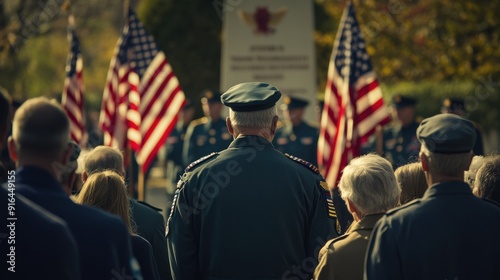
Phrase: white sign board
(271, 41)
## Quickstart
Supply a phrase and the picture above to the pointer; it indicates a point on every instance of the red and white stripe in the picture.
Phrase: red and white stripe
(73, 103)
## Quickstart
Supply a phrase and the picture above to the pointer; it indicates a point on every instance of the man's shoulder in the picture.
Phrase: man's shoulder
(145, 212)
(197, 123)
(301, 164)
(200, 162)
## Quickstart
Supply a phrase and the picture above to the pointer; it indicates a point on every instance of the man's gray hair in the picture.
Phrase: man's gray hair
(369, 183)
(103, 158)
(452, 165)
(41, 128)
(258, 119)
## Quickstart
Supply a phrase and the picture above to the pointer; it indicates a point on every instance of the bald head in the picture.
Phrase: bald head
(40, 130)
(103, 158)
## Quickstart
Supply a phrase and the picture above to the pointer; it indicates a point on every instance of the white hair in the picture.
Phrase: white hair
(446, 164)
(369, 183)
(258, 119)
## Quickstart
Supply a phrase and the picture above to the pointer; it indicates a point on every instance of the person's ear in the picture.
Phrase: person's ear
(274, 125)
(84, 176)
(423, 160)
(12, 149)
(229, 126)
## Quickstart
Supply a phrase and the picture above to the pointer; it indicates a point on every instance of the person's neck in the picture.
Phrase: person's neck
(249, 131)
(433, 178)
(53, 167)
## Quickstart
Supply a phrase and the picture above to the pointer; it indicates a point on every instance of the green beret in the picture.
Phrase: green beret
(447, 134)
(254, 96)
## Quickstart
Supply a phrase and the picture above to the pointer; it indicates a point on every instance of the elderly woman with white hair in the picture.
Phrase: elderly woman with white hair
(369, 188)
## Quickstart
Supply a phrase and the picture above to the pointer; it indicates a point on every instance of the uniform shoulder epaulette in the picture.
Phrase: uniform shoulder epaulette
(150, 206)
(199, 121)
(394, 210)
(491, 201)
(304, 163)
(198, 161)
(331, 242)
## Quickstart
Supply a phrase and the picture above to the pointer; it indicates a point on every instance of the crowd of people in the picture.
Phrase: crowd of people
(249, 203)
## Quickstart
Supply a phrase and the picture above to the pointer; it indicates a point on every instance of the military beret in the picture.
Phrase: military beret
(210, 96)
(447, 134)
(291, 102)
(452, 104)
(253, 96)
(400, 101)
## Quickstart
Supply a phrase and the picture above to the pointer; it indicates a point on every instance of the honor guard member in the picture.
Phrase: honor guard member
(448, 233)
(208, 134)
(400, 143)
(175, 143)
(297, 137)
(250, 211)
(457, 106)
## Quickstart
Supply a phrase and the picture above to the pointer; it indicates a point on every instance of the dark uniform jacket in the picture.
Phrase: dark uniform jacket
(103, 239)
(401, 145)
(344, 257)
(150, 224)
(248, 212)
(300, 141)
(448, 234)
(44, 248)
(203, 137)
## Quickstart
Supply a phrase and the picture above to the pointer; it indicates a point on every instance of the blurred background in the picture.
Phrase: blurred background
(428, 49)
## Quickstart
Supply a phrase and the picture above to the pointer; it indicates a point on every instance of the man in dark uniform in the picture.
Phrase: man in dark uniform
(175, 143)
(149, 223)
(249, 212)
(40, 134)
(400, 143)
(457, 106)
(449, 233)
(297, 137)
(208, 134)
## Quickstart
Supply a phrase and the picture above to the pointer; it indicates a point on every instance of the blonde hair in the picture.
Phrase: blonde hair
(411, 178)
(106, 190)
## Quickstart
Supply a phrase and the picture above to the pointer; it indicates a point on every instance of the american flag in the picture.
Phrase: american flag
(142, 97)
(72, 96)
(354, 106)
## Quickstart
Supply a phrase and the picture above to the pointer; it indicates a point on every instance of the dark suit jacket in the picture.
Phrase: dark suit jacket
(343, 257)
(103, 239)
(144, 254)
(44, 248)
(248, 212)
(151, 225)
(448, 234)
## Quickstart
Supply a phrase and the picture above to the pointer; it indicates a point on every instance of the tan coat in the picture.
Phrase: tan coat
(343, 257)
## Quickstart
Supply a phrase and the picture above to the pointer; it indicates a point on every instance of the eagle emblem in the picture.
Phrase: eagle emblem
(262, 21)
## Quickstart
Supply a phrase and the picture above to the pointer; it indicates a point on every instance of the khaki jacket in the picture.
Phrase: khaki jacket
(343, 257)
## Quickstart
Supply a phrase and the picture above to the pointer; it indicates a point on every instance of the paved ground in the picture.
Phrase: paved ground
(159, 192)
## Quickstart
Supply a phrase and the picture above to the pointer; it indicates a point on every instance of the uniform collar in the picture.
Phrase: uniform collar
(251, 141)
(35, 176)
(366, 223)
(445, 188)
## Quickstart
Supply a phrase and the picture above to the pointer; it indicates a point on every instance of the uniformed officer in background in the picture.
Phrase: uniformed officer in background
(297, 137)
(207, 134)
(249, 212)
(175, 143)
(400, 143)
(457, 106)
